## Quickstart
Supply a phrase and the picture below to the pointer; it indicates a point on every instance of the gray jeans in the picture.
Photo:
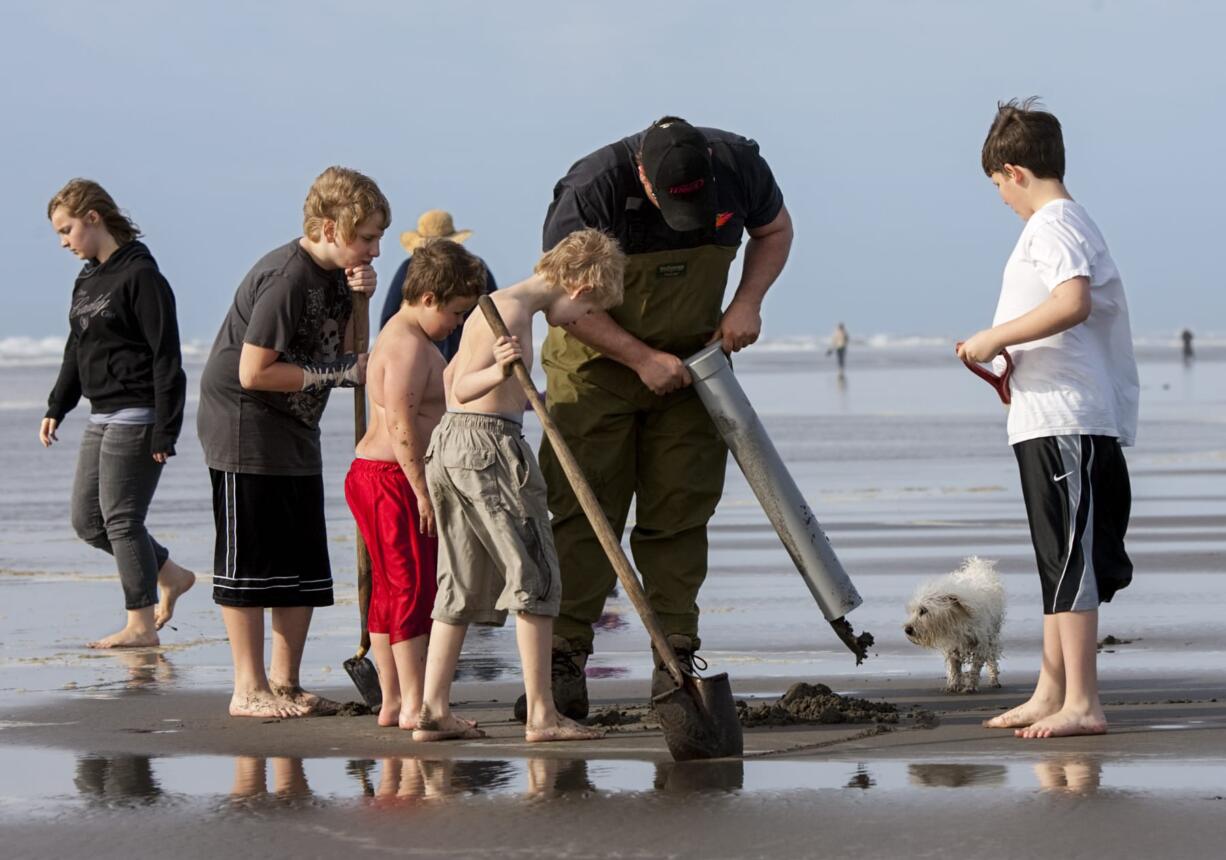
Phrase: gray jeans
(116, 478)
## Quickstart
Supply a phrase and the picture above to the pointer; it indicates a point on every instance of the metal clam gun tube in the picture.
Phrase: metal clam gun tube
(785, 507)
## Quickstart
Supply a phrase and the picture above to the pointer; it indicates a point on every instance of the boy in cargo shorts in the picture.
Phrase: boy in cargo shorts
(496, 552)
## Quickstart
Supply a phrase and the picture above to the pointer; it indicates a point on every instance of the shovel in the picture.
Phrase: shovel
(998, 381)
(698, 716)
(359, 667)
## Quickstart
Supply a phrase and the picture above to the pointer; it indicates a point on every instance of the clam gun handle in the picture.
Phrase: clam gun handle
(785, 507)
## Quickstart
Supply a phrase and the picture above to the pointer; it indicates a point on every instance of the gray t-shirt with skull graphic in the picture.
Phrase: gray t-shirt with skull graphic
(290, 304)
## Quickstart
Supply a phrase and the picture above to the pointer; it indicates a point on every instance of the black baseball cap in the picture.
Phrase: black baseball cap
(677, 160)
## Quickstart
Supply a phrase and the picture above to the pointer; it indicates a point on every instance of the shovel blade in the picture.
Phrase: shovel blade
(699, 719)
(366, 679)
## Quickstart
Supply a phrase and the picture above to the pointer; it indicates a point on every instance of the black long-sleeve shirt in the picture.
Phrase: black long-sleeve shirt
(123, 344)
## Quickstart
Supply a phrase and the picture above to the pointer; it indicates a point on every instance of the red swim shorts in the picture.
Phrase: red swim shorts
(403, 560)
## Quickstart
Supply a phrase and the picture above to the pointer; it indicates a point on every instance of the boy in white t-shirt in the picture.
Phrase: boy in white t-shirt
(1063, 316)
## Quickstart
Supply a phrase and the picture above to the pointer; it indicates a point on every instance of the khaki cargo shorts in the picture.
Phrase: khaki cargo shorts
(496, 552)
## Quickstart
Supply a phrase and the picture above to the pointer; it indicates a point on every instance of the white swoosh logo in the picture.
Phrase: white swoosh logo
(1062, 477)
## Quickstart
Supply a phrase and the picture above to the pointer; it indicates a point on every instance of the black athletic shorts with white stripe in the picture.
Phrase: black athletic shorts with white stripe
(1077, 500)
(272, 541)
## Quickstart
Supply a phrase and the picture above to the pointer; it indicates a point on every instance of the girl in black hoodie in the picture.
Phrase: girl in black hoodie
(123, 355)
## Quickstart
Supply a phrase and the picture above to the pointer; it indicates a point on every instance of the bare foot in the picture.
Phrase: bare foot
(129, 637)
(1067, 723)
(312, 705)
(258, 703)
(565, 729)
(408, 719)
(173, 581)
(449, 728)
(389, 714)
(1023, 715)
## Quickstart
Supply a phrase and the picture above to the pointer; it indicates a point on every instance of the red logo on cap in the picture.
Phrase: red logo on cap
(687, 188)
(722, 218)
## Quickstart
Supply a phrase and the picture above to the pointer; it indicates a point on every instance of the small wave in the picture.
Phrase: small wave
(18, 351)
(21, 351)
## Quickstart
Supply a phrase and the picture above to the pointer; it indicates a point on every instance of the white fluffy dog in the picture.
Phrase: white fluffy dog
(960, 615)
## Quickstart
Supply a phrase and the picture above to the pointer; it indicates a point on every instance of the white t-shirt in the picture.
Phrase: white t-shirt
(1083, 380)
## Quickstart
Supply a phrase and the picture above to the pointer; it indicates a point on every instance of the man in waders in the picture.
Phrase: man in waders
(678, 199)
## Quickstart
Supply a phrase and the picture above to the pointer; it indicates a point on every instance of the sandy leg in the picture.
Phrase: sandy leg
(173, 582)
(259, 703)
(389, 682)
(1082, 711)
(1067, 723)
(1048, 695)
(389, 714)
(449, 727)
(312, 704)
(435, 721)
(1032, 711)
(534, 636)
(409, 659)
(563, 729)
(139, 632)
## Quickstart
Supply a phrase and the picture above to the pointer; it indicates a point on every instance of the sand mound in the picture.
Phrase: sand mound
(817, 703)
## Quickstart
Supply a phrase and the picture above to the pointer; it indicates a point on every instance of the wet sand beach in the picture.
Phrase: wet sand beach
(105, 754)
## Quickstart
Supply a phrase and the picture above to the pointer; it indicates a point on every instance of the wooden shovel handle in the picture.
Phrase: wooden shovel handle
(361, 344)
(589, 503)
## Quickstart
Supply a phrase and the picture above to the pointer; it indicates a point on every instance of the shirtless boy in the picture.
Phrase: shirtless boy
(386, 485)
(496, 552)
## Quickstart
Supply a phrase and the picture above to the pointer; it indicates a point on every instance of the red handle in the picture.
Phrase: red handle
(998, 381)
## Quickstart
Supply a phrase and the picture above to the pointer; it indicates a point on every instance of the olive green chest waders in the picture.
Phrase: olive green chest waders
(661, 450)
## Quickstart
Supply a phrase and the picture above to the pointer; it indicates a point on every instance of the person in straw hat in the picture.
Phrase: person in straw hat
(431, 226)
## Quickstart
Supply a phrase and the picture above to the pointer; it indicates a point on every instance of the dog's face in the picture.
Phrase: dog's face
(933, 619)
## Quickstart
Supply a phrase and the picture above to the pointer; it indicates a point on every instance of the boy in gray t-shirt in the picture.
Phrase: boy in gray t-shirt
(280, 350)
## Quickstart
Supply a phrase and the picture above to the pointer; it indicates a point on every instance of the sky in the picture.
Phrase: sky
(208, 121)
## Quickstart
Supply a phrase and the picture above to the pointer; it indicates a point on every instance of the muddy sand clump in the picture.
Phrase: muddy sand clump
(617, 716)
(818, 704)
(1110, 640)
(352, 709)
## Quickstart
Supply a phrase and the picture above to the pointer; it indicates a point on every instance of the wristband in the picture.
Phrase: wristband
(342, 373)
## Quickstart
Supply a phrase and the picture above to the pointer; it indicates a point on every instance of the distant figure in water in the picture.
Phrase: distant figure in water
(838, 345)
(1186, 337)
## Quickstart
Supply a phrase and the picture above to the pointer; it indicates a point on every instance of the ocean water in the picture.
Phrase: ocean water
(904, 461)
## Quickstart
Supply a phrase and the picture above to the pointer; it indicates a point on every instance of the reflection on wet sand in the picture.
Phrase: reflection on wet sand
(395, 781)
(550, 777)
(409, 779)
(937, 775)
(289, 782)
(117, 780)
(861, 778)
(146, 668)
(690, 777)
(1071, 774)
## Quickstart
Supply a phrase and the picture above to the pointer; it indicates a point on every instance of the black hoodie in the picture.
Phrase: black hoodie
(123, 344)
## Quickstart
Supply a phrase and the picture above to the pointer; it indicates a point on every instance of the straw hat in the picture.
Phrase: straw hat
(435, 224)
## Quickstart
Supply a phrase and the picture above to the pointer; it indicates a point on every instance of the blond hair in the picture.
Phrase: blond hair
(81, 196)
(586, 260)
(346, 197)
